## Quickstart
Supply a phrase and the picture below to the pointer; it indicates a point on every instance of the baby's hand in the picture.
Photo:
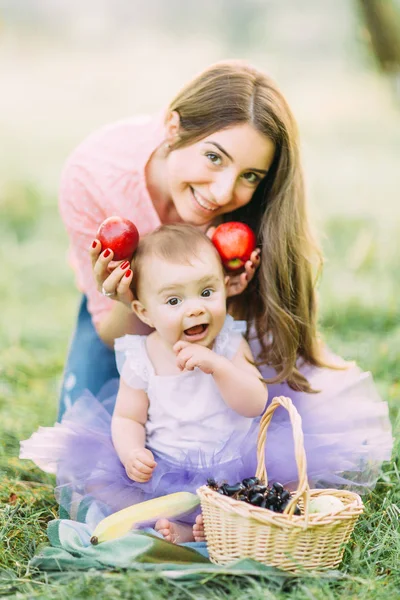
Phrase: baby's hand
(189, 356)
(140, 464)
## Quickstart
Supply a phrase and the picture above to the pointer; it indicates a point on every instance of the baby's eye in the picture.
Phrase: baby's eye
(207, 293)
(174, 301)
(214, 158)
(251, 177)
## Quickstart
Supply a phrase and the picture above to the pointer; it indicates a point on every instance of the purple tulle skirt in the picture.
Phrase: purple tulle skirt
(347, 436)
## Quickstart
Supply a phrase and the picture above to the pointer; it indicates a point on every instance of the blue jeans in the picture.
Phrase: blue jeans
(90, 363)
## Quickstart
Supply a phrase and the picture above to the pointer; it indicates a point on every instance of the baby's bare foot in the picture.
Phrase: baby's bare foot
(177, 533)
(198, 529)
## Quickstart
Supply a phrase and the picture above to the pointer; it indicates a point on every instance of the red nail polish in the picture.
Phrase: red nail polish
(106, 253)
(94, 244)
(128, 273)
(125, 264)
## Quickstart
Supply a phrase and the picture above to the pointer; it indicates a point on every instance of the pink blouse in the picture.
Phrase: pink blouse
(105, 176)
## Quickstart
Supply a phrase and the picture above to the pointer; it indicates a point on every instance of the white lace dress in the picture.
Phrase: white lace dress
(186, 411)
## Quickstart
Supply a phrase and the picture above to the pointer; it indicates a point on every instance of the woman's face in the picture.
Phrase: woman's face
(218, 174)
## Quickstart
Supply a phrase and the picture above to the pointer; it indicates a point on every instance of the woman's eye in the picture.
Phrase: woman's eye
(207, 293)
(214, 158)
(251, 177)
(173, 301)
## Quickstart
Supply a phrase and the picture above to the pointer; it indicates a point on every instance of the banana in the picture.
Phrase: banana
(121, 522)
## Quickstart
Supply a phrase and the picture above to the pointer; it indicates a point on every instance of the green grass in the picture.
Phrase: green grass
(359, 319)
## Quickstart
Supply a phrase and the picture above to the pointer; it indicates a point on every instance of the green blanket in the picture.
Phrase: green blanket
(142, 549)
(71, 550)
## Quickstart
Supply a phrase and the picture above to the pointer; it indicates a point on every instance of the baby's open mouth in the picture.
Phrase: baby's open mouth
(196, 330)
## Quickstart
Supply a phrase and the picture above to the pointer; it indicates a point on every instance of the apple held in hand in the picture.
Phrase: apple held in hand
(235, 242)
(120, 235)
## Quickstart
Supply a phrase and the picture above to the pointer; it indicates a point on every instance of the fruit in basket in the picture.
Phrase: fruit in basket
(256, 498)
(233, 489)
(325, 504)
(252, 491)
(121, 522)
(120, 235)
(249, 481)
(235, 242)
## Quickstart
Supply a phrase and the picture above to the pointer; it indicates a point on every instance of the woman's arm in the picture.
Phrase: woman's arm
(128, 432)
(238, 381)
(119, 321)
(81, 210)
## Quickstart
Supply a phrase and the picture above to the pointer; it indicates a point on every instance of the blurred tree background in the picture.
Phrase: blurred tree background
(382, 18)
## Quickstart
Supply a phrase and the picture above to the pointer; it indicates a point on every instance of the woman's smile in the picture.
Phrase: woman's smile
(202, 202)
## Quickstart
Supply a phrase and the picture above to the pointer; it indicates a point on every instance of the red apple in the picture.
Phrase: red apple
(120, 235)
(235, 242)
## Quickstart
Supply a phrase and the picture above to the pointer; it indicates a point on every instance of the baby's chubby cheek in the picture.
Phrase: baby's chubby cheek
(174, 334)
(217, 323)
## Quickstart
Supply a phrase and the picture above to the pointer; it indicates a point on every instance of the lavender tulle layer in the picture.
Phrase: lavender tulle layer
(347, 436)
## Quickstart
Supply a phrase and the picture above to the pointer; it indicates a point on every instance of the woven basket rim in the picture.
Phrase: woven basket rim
(353, 506)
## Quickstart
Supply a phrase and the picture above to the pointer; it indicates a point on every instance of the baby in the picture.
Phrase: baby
(179, 284)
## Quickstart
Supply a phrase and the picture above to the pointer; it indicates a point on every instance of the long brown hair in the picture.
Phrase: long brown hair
(280, 301)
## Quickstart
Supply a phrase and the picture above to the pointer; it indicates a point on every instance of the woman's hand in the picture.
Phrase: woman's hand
(238, 282)
(112, 278)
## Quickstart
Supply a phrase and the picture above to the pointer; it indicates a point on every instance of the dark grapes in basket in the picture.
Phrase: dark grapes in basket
(252, 491)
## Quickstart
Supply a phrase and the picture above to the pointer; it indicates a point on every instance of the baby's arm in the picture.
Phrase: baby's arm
(238, 381)
(128, 432)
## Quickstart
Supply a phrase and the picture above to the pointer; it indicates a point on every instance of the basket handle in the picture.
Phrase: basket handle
(300, 455)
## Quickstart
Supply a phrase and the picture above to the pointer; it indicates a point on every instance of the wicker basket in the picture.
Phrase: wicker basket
(235, 529)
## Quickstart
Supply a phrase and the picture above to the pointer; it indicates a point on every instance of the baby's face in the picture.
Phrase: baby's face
(185, 301)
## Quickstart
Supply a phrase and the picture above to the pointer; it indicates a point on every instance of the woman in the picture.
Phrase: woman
(226, 148)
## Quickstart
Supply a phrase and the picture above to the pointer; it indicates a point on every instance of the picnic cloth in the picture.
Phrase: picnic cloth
(70, 550)
(141, 549)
